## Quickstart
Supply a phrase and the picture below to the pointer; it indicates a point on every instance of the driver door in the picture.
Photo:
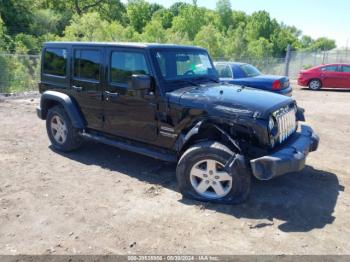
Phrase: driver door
(129, 114)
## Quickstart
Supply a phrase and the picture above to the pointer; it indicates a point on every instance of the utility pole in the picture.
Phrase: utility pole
(287, 60)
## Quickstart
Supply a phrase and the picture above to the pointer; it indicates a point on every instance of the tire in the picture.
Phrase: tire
(63, 136)
(315, 84)
(193, 170)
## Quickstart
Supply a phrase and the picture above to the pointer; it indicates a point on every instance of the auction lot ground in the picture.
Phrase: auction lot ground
(101, 200)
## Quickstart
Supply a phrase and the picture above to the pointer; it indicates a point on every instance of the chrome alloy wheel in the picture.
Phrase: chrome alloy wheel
(210, 180)
(315, 84)
(59, 129)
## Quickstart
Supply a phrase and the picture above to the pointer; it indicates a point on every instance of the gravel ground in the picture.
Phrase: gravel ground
(101, 200)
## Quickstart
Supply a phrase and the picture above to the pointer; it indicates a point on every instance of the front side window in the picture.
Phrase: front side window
(55, 61)
(330, 68)
(180, 64)
(249, 70)
(224, 71)
(87, 64)
(126, 64)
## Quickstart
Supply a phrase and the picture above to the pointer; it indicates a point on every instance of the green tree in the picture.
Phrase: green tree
(19, 73)
(239, 18)
(45, 21)
(2, 35)
(259, 49)
(281, 38)
(83, 6)
(260, 25)
(165, 17)
(176, 7)
(224, 10)
(16, 15)
(154, 7)
(190, 20)
(306, 41)
(111, 10)
(91, 27)
(323, 44)
(154, 32)
(139, 14)
(179, 38)
(235, 45)
(26, 44)
(210, 38)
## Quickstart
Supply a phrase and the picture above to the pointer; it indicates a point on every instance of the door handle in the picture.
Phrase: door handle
(111, 95)
(77, 88)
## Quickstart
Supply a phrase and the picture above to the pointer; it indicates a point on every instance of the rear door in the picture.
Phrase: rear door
(129, 114)
(345, 73)
(87, 83)
(330, 76)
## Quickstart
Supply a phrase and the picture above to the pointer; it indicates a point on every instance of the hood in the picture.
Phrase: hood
(262, 81)
(230, 99)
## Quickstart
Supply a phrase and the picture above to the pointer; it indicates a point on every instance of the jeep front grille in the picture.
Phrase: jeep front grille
(286, 121)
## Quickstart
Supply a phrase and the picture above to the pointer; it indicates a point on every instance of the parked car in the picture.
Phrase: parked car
(332, 75)
(165, 102)
(248, 75)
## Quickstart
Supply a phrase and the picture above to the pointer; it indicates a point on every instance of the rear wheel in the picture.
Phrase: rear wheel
(203, 175)
(63, 136)
(315, 84)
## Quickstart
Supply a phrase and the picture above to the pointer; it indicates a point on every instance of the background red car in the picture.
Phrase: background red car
(332, 75)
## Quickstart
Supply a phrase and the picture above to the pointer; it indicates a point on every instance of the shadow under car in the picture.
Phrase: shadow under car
(303, 200)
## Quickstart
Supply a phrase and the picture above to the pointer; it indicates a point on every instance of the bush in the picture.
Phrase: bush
(18, 73)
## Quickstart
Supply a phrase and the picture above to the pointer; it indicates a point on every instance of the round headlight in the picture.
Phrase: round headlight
(271, 123)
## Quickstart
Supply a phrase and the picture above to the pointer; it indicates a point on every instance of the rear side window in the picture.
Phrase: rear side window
(224, 71)
(55, 61)
(87, 64)
(125, 64)
(346, 69)
(249, 70)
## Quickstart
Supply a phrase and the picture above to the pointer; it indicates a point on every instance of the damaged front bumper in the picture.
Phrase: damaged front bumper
(288, 158)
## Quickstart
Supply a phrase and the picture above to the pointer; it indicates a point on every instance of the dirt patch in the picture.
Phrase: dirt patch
(101, 200)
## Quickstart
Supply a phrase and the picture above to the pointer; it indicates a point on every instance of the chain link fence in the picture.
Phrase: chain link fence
(297, 61)
(20, 73)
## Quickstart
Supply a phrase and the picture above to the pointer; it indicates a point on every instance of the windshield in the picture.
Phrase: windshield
(184, 65)
(249, 70)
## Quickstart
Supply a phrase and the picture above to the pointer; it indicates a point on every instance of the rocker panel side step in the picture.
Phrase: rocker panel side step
(153, 153)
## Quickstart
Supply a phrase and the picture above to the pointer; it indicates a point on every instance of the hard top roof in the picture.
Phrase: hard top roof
(229, 63)
(123, 44)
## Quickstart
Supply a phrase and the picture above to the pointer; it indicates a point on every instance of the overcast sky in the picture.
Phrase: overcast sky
(314, 17)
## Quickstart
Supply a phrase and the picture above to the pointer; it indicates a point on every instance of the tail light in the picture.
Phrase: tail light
(276, 85)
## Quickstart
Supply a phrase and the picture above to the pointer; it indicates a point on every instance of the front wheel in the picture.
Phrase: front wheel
(315, 84)
(203, 174)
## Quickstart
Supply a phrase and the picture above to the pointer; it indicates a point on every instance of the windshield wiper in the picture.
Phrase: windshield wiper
(209, 78)
(186, 81)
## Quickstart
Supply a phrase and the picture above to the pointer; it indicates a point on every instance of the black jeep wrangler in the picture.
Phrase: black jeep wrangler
(165, 102)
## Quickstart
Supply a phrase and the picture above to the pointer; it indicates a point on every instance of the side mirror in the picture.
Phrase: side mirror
(140, 82)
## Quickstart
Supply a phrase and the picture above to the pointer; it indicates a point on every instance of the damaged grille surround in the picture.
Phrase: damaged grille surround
(286, 124)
